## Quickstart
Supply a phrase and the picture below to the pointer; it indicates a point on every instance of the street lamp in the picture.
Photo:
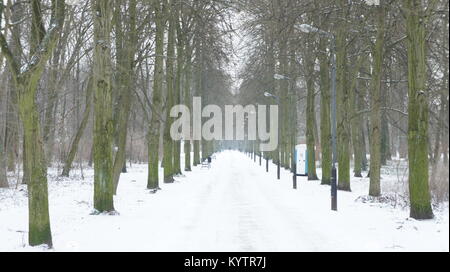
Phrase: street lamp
(267, 94)
(293, 162)
(310, 29)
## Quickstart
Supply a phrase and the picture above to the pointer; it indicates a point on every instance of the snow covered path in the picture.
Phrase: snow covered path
(234, 206)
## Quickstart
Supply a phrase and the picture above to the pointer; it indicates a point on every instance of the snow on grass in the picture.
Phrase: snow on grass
(234, 206)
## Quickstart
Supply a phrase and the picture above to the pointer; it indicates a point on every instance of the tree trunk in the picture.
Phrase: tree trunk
(385, 138)
(197, 92)
(355, 117)
(155, 122)
(3, 175)
(26, 80)
(39, 220)
(310, 116)
(125, 84)
(361, 162)
(356, 136)
(103, 121)
(168, 142)
(3, 178)
(187, 102)
(283, 96)
(343, 129)
(420, 199)
(177, 87)
(375, 97)
(325, 113)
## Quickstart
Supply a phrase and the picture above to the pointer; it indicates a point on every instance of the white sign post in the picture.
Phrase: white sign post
(301, 157)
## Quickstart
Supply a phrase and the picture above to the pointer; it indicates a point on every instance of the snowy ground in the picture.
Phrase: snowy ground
(235, 206)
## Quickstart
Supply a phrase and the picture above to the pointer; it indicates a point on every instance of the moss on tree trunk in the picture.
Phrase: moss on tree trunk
(39, 219)
(343, 129)
(103, 119)
(419, 190)
(325, 113)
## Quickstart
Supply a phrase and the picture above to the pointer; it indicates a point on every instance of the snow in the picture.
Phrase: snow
(234, 206)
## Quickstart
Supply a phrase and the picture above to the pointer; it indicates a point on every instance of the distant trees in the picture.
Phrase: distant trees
(76, 140)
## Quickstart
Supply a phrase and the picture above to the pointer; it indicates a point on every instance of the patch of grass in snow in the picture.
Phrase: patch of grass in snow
(112, 213)
(393, 200)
